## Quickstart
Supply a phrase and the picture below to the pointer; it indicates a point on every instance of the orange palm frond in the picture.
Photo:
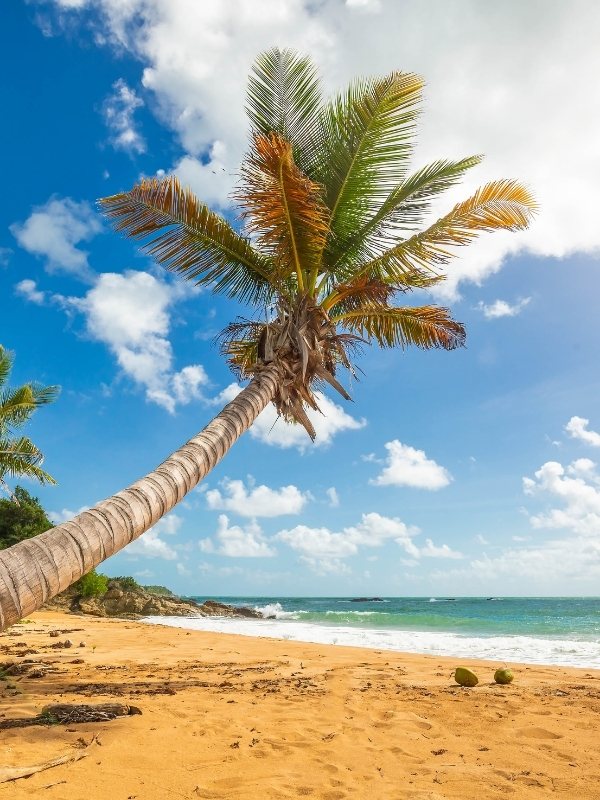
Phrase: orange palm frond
(185, 236)
(283, 208)
(503, 204)
(423, 326)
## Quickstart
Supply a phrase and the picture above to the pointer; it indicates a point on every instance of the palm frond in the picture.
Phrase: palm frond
(6, 363)
(404, 209)
(239, 343)
(283, 208)
(368, 138)
(21, 458)
(284, 97)
(423, 326)
(186, 237)
(503, 204)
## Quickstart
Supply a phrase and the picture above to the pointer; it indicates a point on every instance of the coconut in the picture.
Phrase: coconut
(504, 675)
(465, 677)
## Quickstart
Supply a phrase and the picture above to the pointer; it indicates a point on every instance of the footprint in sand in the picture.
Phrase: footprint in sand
(538, 733)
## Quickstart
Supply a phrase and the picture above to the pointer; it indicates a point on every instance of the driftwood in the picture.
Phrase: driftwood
(68, 714)
(14, 773)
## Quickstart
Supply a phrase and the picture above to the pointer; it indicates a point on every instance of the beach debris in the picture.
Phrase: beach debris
(68, 714)
(8, 774)
(504, 675)
(54, 634)
(465, 677)
(67, 643)
(81, 644)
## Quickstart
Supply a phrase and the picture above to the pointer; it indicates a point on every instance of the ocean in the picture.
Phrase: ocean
(558, 630)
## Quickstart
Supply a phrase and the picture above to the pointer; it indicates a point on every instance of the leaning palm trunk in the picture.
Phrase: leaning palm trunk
(35, 570)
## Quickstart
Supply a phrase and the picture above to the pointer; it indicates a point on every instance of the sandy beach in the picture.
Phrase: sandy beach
(227, 716)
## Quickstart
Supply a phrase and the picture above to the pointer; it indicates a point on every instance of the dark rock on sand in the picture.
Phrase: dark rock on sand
(134, 603)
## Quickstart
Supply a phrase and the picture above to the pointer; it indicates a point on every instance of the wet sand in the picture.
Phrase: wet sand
(227, 716)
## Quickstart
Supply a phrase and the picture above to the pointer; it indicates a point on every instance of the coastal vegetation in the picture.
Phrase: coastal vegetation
(19, 456)
(335, 238)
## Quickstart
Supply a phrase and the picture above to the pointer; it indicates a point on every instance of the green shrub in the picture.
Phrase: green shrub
(127, 583)
(93, 584)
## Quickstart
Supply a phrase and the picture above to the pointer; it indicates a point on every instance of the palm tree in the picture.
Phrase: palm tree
(19, 457)
(333, 236)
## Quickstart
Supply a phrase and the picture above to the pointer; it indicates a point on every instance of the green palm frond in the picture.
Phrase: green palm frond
(239, 343)
(404, 209)
(284, 97)
(423, 326)
(186, 237)
(17, 405)
(369, 133)
(503, 204)
(283, 208)
(21, 458)
(6, 362)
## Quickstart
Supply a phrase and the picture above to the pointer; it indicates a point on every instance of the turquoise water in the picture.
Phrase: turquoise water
(557, 630)
(562, 617)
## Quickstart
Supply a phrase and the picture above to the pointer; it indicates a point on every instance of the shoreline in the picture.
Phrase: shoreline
(516, 648)
(230, 717)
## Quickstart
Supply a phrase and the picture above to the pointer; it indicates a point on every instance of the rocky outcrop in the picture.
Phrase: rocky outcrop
(134, 603)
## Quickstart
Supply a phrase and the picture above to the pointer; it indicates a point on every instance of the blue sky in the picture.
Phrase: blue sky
(470, 472)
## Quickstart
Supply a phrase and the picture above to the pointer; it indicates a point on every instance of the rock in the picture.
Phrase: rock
(81, 644)
(465, 677)
(504, 676)
(54, 634)
(67, 643)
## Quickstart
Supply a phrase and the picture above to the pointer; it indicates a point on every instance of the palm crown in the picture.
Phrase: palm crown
(18, 455)
(332, 233)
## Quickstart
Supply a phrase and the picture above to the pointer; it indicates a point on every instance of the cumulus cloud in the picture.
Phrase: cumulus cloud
(516, 59)
(236, 541)
(256, 501)
(323, 550)
(53, 232)
(119, 114)
(129, 313)
(407, 466)
(432, 550)
(5, 255)
(576, 488)
(29, 290)
(502, 308)
(150, 545)
(577, 427)
(272, 430)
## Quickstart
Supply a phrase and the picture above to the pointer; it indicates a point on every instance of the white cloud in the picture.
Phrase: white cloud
(119, 111)
(333, 496)
(432, 550)
(210, 179)
(257, 501)
(235, 541)
(576, 488)
(129, 313)
(64, 515)
(150, 545)
(482, 91)
(501, 308)
(54, 230)
(323, 550)
(28, 289)
(577, 427)
(406, 466)
(5, 255)
(272, 430)
(481, 539)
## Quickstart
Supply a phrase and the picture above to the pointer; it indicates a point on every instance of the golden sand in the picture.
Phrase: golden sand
(227, 716)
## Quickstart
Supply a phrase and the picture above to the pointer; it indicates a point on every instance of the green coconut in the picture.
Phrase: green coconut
(465, 677)
(504, 676)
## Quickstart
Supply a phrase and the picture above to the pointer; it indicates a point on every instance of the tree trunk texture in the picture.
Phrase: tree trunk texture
(35, 570)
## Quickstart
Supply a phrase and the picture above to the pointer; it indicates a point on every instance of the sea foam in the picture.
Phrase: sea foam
(288, 626)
